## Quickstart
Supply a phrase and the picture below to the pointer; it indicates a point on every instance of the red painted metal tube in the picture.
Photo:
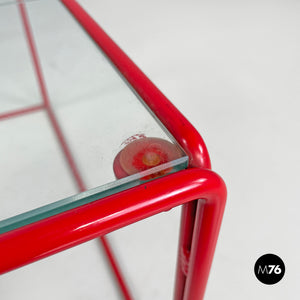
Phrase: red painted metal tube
(168, 114)
(187, 221)
(205, 235)
(185, 134)
(20, 112)
(86, 222)
(193, 144)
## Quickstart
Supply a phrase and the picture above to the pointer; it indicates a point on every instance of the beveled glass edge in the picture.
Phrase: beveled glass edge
(88, 196)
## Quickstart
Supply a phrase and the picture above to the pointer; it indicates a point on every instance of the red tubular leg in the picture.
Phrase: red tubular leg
(188, 212)
(205, 235)
(63, 143)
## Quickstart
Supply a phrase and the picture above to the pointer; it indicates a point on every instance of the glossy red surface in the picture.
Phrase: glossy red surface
(86, 222)
(185, 134)
(200, 221)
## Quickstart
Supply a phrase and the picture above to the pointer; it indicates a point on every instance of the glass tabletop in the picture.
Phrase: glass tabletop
(72, 130)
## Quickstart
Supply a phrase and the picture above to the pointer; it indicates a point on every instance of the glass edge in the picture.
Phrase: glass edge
(88, 196)
(103, 190)
(133, 90)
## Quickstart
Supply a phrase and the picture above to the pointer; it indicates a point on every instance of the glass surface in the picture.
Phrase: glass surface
(63, 146)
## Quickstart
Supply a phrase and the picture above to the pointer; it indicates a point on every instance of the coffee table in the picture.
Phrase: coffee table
(71, 101)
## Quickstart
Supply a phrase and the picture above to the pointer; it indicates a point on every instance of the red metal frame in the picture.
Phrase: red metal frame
(70, 228)
(200, 221)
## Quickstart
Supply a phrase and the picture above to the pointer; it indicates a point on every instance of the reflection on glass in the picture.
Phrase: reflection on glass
(91, 128)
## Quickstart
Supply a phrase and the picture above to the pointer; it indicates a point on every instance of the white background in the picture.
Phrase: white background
(232, 68)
